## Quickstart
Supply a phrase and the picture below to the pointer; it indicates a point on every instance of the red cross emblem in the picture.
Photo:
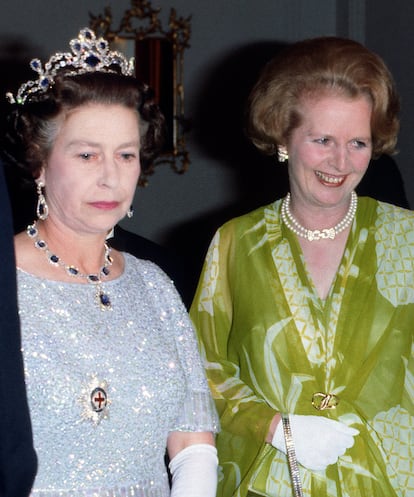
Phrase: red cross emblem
(99, 399)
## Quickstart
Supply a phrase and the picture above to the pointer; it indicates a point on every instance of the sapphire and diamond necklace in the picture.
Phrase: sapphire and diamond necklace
(101, 297)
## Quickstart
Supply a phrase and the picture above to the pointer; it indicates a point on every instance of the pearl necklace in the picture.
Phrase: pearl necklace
(101, 297)
(326, 233)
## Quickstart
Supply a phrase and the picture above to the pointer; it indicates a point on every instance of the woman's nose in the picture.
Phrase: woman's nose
(110, 173)
(340, 157)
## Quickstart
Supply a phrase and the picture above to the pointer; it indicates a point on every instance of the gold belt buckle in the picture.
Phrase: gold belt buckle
(322, 401)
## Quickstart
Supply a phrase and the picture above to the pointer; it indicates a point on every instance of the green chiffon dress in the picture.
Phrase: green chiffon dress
(270, 344)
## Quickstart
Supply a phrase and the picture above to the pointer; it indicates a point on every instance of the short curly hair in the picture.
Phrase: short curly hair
(313, 67)
(32, 128)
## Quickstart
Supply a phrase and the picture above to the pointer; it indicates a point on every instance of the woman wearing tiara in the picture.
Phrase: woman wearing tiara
(305, 307)
(112, 368)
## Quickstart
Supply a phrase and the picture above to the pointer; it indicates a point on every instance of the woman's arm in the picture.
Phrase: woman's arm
(179, 440)
(193, 464)
(241, 410)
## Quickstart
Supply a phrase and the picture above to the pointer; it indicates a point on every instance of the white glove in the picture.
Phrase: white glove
(194, 471)
(318, 441)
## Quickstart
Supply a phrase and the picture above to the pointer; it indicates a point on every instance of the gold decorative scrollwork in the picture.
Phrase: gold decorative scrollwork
(322, 401)
(163, 51)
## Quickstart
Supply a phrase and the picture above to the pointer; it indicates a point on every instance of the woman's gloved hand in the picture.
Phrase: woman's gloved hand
(318, 441)
(194, 472)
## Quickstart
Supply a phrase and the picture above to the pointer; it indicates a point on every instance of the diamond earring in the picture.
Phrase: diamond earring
(130, 212)
(42, 210)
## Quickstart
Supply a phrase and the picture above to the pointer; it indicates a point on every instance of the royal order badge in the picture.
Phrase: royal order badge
(95, 401)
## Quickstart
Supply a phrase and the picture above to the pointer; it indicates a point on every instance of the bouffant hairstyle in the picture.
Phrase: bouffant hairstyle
(32, 127)
(312, 68)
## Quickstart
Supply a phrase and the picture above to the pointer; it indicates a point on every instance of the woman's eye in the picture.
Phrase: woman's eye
(323, 140)
(360, 144)
(86, 156)
(128, 156)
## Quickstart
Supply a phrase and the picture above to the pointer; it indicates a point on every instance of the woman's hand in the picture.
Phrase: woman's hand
(318, 441)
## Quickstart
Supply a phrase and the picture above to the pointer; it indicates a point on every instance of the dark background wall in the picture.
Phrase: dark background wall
(231, 40)
(389, 31)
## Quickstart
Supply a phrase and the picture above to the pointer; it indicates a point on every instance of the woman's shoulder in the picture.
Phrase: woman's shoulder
(381, 209)
(390, 211)
(257, 228)
(390, 222)
(145, 269)
(145, 275)
(27, 259)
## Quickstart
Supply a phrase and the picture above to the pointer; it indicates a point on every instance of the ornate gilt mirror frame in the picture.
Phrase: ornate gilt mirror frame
(159, 55)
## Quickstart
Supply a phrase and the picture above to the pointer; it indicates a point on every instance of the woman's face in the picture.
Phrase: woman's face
(330, 151)
(93, 167)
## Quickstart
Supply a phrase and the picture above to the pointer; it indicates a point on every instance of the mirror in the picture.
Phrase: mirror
(160, 62)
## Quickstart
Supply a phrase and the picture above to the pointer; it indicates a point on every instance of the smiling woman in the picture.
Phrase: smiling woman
(329, 153)
(112, 369)
(312, 373)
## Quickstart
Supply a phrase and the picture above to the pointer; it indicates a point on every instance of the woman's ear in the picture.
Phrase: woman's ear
(41, 177)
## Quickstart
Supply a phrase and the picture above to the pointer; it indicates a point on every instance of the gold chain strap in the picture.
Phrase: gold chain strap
(291, 455)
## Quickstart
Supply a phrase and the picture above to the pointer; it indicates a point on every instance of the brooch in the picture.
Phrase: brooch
(95, 402)
(322, 401)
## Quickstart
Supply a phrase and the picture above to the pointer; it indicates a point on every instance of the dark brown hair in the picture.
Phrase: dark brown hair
(32, 127)
(308, 69)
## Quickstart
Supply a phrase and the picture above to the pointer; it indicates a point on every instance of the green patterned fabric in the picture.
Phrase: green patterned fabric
(269, 343)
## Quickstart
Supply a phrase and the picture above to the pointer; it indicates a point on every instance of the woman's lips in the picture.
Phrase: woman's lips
(329, 179)
(106, 206)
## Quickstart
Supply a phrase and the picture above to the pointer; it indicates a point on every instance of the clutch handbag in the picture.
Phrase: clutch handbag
(291, 456)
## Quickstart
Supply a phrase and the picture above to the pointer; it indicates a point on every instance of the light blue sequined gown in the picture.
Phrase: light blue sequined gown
(106, 387)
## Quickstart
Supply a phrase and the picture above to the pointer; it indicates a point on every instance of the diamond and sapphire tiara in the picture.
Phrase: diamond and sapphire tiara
(89, 54)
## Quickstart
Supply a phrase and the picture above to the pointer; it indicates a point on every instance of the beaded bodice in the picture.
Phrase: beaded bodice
(105, 389)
